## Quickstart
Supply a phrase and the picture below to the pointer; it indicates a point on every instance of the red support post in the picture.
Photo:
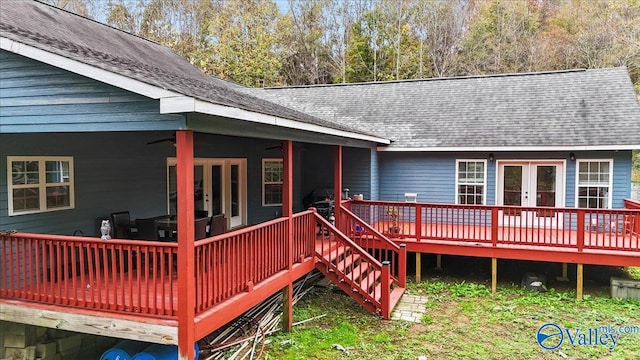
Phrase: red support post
(337, 185)
(402, 266)
(418, 222)
(287, 193)
(186, 244)
(580, 230)
(494, 226)
(385, 288)
(287, 211)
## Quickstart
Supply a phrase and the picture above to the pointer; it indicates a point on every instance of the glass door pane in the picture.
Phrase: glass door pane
(512, 193)
(216, 189)
(173, 190)
(198, 182)
(235, 190)
(198, 188)
(546, 185)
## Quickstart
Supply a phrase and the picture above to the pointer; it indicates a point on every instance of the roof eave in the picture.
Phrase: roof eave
(510, 148)
(186, 104)
(84, 69)
(171, 102)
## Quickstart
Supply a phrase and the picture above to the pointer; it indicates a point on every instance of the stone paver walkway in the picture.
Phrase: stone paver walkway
(410, 308)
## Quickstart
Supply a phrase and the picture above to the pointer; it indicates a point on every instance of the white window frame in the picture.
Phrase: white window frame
(42, 185)
(609, 185)
(484, 180)
(264, 182)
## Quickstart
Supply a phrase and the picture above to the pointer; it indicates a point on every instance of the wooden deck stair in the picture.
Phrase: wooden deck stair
(349, 268)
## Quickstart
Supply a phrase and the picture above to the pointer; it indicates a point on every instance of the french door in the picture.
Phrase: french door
(531, 184)
(219, 188)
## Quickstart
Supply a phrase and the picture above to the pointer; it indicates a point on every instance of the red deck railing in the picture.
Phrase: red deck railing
(229, 264)
(140, 277)
(597, 229)
(115, 275)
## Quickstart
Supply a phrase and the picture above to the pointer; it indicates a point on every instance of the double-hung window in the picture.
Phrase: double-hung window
(471, 180)
(39, 184)
(594, 183)
(272, 175)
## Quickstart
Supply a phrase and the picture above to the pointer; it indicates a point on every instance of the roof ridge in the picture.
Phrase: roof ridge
(465, 77)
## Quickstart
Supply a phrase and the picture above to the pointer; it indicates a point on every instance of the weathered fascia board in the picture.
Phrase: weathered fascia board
(232, 127)
(103, 325)
(83, 69)
(510, 148)
(183, 104)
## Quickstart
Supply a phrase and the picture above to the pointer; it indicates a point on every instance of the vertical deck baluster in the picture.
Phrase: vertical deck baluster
(103, 279)
(75, 263)
(83, 280)
(101, 268)
(28, 273)
(165, 276)
(40, 269)
(120, 278)
(217, 269)
(91, 271)
(226, 273)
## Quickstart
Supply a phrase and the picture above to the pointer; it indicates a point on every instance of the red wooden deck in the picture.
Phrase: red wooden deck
(599, 237)
(137, 280)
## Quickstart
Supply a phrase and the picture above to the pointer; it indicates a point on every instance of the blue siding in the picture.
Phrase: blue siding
(119, 171)
(356, 171)
(432, 175)
(113, 172)
(36, 97)
(375, 170)
(621, 175)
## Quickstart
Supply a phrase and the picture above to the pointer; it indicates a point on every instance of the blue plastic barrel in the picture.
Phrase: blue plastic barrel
(162, 352)
(124, 350)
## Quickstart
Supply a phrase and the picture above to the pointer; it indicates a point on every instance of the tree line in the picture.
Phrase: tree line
(263, 43)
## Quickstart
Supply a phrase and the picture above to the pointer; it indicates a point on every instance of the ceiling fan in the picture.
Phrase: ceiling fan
(172, 140)
(296, 147)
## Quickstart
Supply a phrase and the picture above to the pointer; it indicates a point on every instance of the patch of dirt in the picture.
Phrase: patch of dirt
(418, 329)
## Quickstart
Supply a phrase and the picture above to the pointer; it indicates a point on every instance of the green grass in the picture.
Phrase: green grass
(462, 320)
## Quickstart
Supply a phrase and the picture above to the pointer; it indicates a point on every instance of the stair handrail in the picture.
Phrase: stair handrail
(398, 277)
(377, 265)
(346, 239)
(631, 204)
(378, 234)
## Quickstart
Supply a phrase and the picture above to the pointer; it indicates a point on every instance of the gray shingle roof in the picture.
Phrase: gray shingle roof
(579, 108)
(90, 42)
